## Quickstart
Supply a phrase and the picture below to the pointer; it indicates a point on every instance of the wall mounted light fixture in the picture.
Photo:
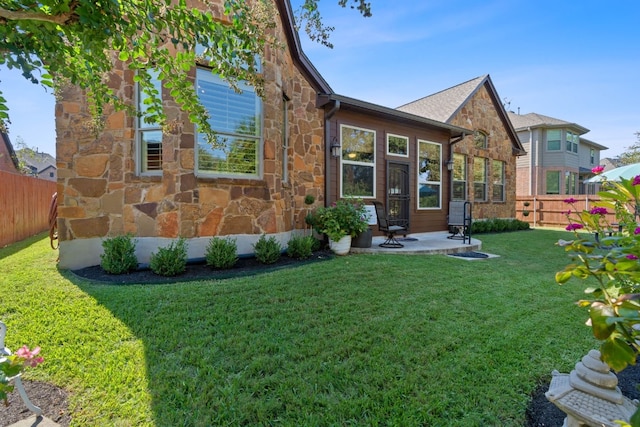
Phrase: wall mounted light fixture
(450, 165)
(335, 147)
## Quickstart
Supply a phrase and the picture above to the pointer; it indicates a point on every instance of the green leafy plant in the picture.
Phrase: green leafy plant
(267, 251)
(309, 199)
(14, 365)
(222, 253)
(301, 247)
(606, 257)
(119, 255)
(498, 225)
(346, 217)
(170, 260)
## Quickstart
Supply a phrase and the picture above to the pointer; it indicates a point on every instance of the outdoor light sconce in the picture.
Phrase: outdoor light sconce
(450, 165)
(335, 147)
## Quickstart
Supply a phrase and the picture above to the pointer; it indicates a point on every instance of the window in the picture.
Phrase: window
(553, 182)
(459, 177)
(480, 179)
(358, 159)
(570, 183)
(149, 135)
(480, 139)
(285, 138)
(592, 156)
(429, 174)
(554, 139)
(497, 175)
(397, 145)
(237, 120)
(572, 141)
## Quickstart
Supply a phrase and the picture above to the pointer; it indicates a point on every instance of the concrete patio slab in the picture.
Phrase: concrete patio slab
(422, 243)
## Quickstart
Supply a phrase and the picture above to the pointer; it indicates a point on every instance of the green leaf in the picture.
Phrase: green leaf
(599, 313)
(617, 353)
(123, 56)
(563, 276)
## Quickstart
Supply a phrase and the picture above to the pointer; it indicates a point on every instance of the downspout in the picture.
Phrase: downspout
(327, 151)
(531, 161)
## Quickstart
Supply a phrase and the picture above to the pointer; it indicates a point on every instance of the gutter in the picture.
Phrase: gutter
(327, 150)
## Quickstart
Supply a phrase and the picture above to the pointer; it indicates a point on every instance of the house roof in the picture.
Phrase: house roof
(36, 160)
(7, 142)
(533, 120)
(593, 144)
(347, 103)
(445, 105)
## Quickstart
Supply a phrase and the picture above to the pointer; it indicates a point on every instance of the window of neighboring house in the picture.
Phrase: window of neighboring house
(592, 156)
(572, 142)
(459, 177)
(570, 183)
(149, 135)
(480, 179)
(480, 139)
(429, 174)
(358, 161)
(50, 174)
(497, 175)
(553, 182)
(236, 118)
(397, 145)
(554, 139)
(285, 138)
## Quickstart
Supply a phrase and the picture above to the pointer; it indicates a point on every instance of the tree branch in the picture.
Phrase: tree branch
(13, 15)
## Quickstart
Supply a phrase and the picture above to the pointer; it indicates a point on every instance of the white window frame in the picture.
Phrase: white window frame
(422, 181)
(203, 73)
(406, 143)
(344, 160)
(143, 128)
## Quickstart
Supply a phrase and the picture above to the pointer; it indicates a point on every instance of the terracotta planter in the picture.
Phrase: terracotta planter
(342, 246)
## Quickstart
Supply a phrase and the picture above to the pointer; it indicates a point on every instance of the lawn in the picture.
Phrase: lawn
(393, 340)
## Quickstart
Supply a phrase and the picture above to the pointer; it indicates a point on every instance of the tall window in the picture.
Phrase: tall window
(397, 145)
(358, 161)
(285, 138)
(480, 138)
(572, 141)
(553, 182)
(459, 177)
(570, 183)
(592, 156)
(497, 180)
(554, 139)
(480, 179)
(149, 135)
(237, 120)
(429, 174)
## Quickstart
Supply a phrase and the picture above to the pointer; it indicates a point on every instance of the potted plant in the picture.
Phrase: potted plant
(341, 221)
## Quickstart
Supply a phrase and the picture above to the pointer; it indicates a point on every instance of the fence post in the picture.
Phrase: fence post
(535, 207)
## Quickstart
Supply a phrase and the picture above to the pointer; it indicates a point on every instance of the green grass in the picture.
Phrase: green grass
(393, 340)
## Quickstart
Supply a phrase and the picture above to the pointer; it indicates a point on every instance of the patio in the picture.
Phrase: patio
(422, 243)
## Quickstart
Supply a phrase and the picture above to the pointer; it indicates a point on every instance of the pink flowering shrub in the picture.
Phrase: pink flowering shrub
(606, 256)
(15, 364)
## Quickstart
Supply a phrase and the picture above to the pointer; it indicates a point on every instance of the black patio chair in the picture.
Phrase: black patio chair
(390, 227)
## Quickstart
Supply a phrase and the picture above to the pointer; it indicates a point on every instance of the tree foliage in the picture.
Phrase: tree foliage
(57, 42)
(632, 153)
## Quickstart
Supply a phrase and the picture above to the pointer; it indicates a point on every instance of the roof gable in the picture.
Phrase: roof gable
(10, 151)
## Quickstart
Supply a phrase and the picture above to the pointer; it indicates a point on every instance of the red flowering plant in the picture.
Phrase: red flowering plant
(13, 365)
(606, 256)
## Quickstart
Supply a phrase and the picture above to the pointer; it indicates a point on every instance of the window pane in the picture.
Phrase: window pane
(480, 139)
(497, 173)
(151, 150)
(459, 190)
(234, 156)
(144, 100)
(553, 182)
(429, 196)
(554, 139)
(480, 178)
(397, 145)
(357, 145)
(459, 177)
(357, 180)
(429, 174)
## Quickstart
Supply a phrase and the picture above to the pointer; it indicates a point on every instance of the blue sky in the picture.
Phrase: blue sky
(575, 61)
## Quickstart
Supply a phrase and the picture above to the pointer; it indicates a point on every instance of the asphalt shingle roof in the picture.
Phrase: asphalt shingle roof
(530, 120)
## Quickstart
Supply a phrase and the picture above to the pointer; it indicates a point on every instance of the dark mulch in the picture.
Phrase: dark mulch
(53, 400)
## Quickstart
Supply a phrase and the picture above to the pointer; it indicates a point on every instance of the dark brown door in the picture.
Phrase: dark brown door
(398, 191)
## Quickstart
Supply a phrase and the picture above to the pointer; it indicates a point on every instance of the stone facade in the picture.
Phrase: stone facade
(480, 113)
(101, 195)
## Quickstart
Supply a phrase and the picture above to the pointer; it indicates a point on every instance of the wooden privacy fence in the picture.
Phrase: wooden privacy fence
(24, 206)
(550, 210)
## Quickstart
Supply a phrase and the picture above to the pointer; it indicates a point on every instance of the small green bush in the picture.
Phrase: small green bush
(222, 253)
(171, 260)
(119, 255)
(498, 225)
(300, 247)
(268, 250)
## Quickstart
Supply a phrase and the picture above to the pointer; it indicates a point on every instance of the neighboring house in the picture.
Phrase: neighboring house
(8, 160)
(558, 158)
(37, 164)
(484, 160)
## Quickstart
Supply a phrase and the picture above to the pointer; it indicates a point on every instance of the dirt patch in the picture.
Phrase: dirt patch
(51, 399)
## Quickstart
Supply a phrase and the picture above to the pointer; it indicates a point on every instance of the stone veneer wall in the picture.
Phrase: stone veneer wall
(480, 113)
(100, 195)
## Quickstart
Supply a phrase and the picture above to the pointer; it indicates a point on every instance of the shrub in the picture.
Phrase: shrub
(300, 247)
(171, 260)
(222, 253)
(119, 255)
(268, 250)
(498, 225)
